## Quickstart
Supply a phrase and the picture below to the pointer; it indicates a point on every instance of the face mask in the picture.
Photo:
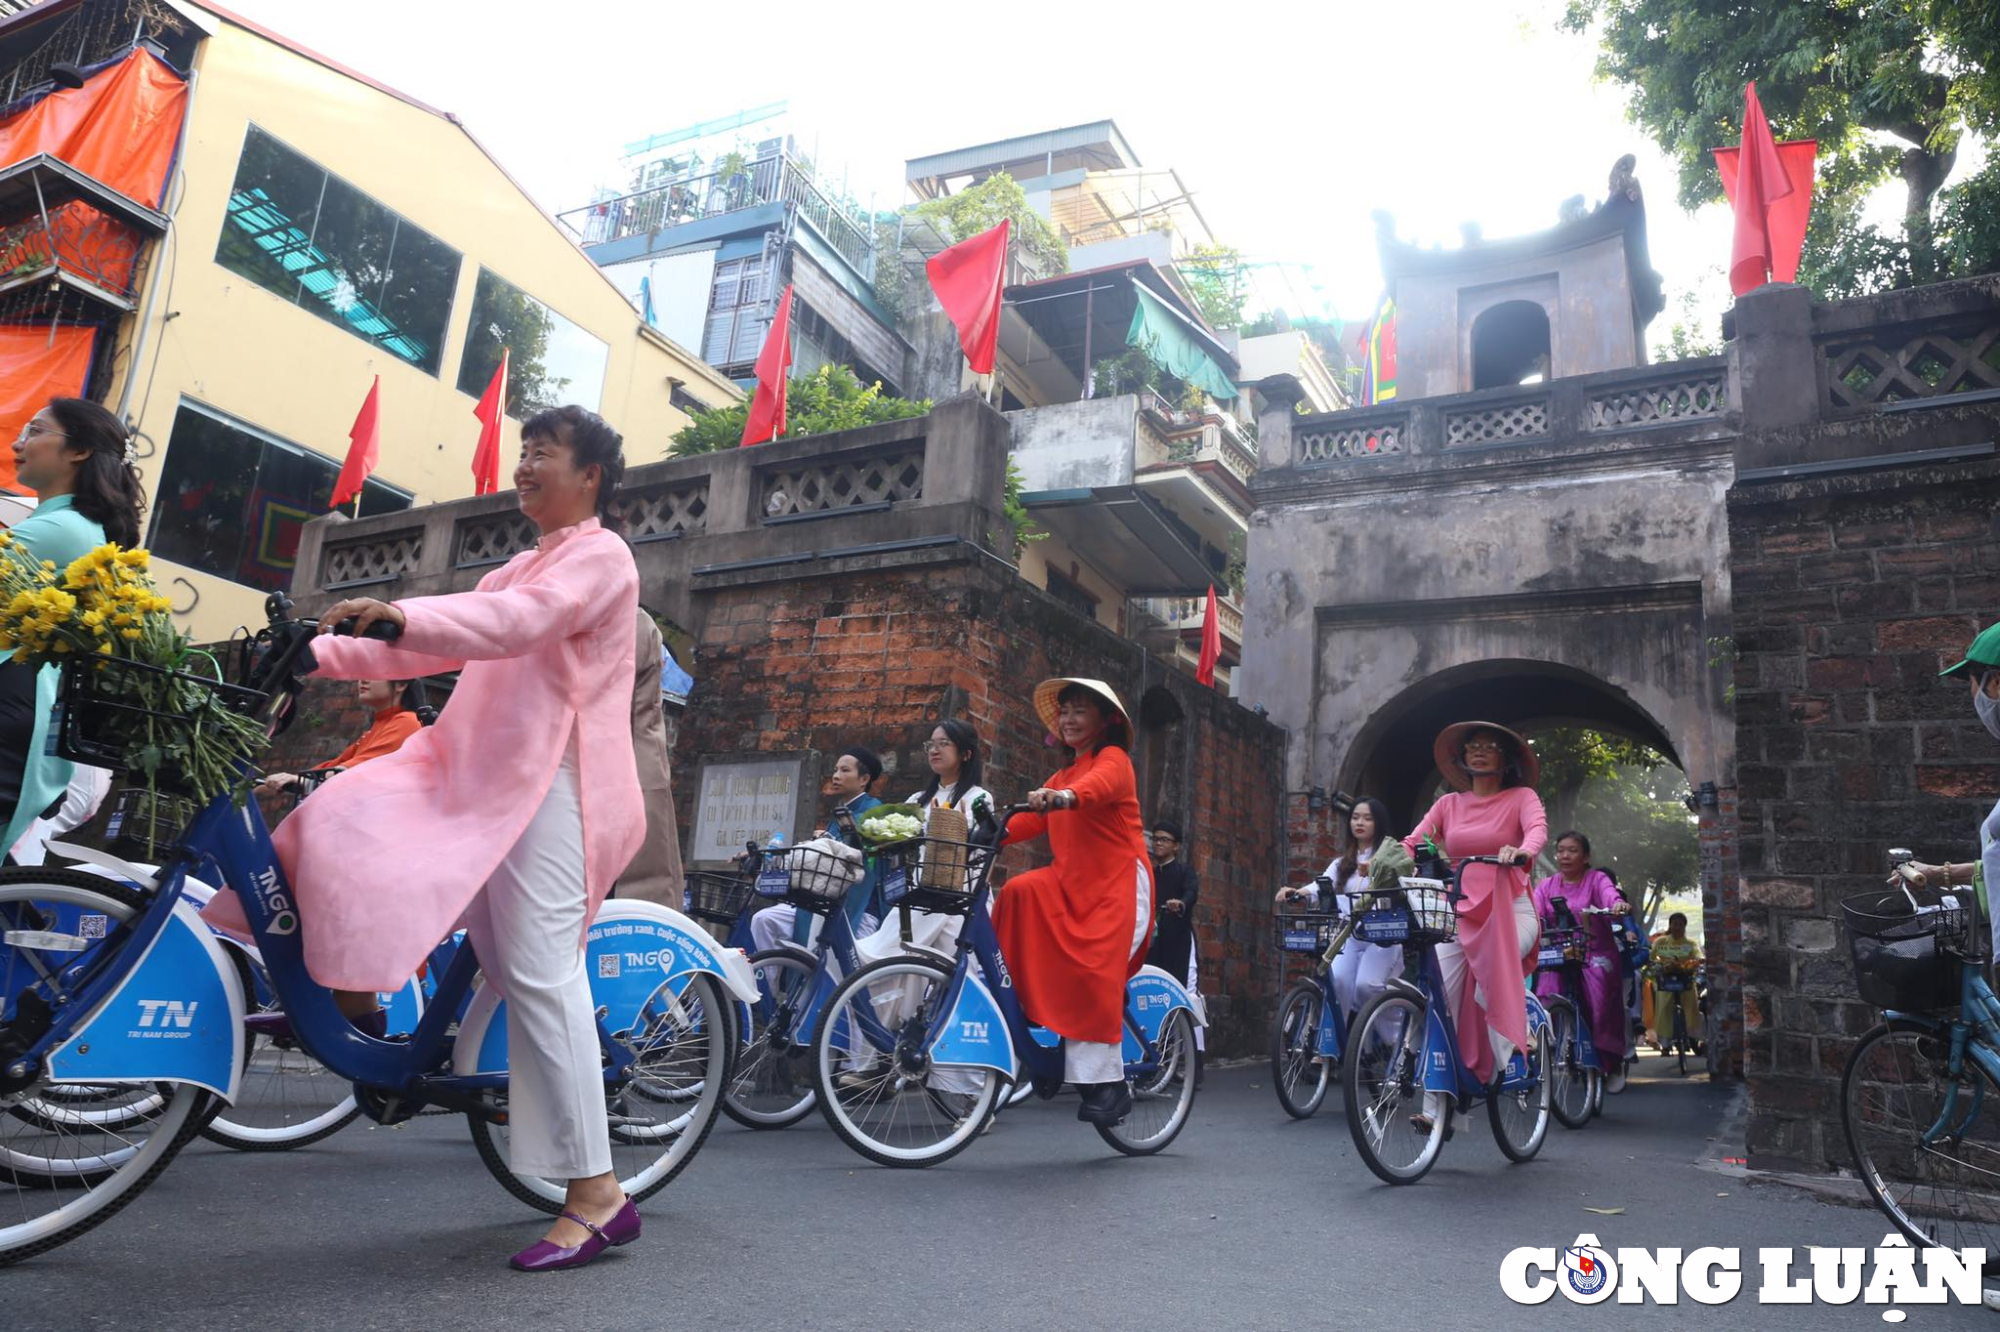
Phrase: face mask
(1989, 712)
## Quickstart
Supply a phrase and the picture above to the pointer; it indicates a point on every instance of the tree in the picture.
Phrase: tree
(1574, 756)
(1639, 828)
(1916, 73)
(1215, 277)
(1032, 242)
(828, 399)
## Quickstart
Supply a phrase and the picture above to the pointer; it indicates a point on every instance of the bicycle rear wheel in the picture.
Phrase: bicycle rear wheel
(1163, 1097)
(1382, 1079)
(1898, 1090)
(1299, 1076)
(681, 1045)
(891, 1104)
(1521, 1118)
(770, 1086)
(61, 1174)
(1571, 1089)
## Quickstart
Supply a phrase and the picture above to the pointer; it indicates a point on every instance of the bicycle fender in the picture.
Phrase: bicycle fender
(176, 1017)
(975, 1034)
(630, 950)
(1149, 997)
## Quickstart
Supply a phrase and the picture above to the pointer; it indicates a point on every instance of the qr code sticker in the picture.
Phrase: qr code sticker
(92, 927)
(607, 967)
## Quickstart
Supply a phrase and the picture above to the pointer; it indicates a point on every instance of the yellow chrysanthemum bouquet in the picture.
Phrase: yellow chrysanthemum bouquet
(136, 694)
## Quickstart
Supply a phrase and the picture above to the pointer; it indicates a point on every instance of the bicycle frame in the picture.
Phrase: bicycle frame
(1569, 981)
(1974, 1034)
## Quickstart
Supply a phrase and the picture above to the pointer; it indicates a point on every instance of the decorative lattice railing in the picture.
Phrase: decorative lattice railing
(373, 561)
(1937, 361)
(842, 483)
(1370, 439)
(1684, 398)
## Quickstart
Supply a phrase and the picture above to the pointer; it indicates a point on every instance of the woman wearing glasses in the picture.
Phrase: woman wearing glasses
(73, 456)
(1492, 810)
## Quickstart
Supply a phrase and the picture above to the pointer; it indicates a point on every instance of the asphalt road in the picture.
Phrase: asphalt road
(1251, 1220)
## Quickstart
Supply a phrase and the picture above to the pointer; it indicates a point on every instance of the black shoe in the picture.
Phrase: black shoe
(1047, 1088)
(1105, 1104)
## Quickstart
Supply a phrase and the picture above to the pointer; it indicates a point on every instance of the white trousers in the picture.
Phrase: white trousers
(1086, 1062)
(1194, 987)
(527, 927)
(774, 924)
(1362, 970)
(1451, 961)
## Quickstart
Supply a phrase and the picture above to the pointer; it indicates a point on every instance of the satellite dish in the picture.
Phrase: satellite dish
(67, 74)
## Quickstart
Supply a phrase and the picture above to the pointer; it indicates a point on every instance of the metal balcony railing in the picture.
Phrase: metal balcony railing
(768, 180)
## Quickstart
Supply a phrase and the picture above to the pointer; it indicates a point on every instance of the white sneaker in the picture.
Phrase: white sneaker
(1615, 1083)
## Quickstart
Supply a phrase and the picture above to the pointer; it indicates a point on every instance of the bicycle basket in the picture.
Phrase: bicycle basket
(1420, 913)
(98, 706)
(814, 875)
(936, 874)
(719, 898)
(147, 824)
(1559, 947)
(1909, 948)
(1305, 931)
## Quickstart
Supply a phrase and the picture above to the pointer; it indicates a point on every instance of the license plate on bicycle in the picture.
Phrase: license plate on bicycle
(1673, 984)
(1304, 939)
(1383, 927)
(895, 884)
(1550, 957)
(774, 882)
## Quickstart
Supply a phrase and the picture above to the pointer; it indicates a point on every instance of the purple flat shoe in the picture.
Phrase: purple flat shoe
(542, 1256)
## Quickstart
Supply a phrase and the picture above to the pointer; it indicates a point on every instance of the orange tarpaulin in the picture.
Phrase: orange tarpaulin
(36, 364)
(119, 128)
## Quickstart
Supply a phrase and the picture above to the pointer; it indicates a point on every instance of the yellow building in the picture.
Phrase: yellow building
(318, 230)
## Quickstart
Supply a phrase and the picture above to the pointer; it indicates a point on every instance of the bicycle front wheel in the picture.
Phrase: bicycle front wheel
(1927, 1154)
(1571, 1093)
(1520, 1118)
(1382, 1079)
(1297, 1073)
(877, 1086)
(681, 1043)
(72, 1155)
(771, 1086)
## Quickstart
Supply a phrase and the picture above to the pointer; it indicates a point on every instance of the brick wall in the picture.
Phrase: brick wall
(877, 658)
(1849, 595)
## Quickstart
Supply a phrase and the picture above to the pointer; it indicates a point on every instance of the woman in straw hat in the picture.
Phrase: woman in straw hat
(1492, 810)
(1076, 930)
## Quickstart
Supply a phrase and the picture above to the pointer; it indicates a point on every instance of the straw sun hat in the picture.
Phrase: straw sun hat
(1048, 690)
(1451, 741)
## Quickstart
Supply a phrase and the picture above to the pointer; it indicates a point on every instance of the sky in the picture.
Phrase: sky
(1289, 121)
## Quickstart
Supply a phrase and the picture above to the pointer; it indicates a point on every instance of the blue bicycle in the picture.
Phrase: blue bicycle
(1311, 1030)
(1405, 1048)
(1576, 1075)
(1915, 1087)
(115, 984)
(770, 1085)
(913, 1052)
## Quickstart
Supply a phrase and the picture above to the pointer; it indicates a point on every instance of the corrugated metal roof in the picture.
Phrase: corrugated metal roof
(961, 160)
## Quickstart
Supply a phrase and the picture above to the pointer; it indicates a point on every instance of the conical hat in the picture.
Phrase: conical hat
(1452, 738)
(1047, 690)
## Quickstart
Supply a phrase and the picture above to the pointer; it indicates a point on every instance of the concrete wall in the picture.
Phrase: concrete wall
(1077, 445)
(1587, 293)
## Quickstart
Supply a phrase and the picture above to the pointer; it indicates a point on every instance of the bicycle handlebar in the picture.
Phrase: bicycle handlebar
(387, 631)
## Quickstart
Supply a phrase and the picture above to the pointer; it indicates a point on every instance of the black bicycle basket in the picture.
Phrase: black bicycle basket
(718, 898)
(1910, 946)
(97, 709)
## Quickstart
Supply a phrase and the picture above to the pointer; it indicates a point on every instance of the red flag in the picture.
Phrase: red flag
(967, 279)
(1788, 215)
(1761, 183)
(364, 447)
(767, 407)
(492, 406)
(1211, 642)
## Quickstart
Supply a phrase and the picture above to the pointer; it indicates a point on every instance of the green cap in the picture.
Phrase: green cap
(1985, 651)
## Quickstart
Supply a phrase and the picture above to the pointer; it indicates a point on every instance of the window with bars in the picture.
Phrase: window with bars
(736, 317)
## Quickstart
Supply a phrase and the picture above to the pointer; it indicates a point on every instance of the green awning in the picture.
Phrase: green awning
(1168, 343)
